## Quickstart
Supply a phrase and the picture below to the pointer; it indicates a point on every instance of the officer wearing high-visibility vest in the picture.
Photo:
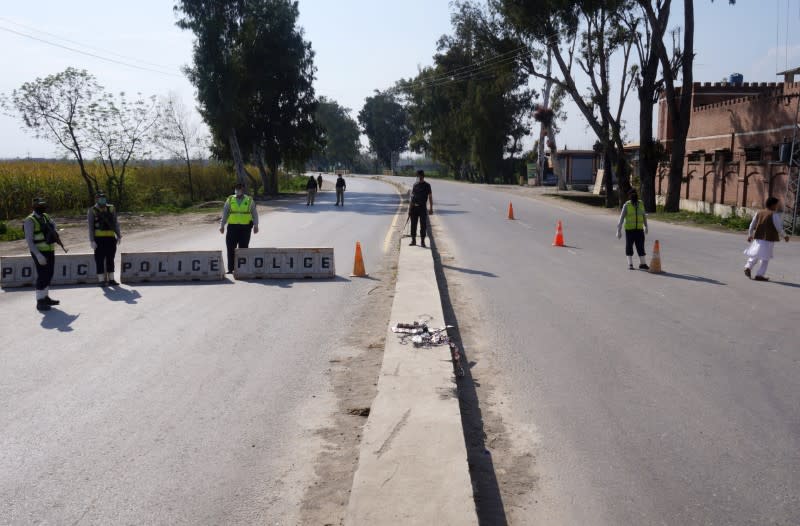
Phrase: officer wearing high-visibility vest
(41, 235)
(634, 219)
(104, 236)
(242, 216)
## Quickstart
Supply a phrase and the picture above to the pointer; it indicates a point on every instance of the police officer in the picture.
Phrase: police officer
(319, 182)
(634, 219)
(420, 194)
(242, 216)
(104, 236)
(341, 186)
(41, 235)
(311, 188)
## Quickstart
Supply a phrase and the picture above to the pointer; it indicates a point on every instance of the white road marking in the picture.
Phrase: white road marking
(572, 252)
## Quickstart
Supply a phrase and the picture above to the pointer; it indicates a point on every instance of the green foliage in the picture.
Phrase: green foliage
(733, 222)
(339, 134)
(471, 121)
(10, 233)
(385, 123)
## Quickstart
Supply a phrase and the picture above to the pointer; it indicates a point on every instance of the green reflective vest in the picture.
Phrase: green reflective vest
(38, 234)
(239, 212)
(634, 216)
(104, 221)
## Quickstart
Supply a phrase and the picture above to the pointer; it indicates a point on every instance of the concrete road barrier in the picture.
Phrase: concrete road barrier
(267, 263)
(172, 266)
(71, 269)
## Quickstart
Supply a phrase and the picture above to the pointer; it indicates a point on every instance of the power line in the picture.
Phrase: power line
(134, 59)
(94, 55)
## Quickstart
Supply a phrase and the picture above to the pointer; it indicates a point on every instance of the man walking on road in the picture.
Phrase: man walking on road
(311, 187)
(420, 194)
(341, 186)
(41, 235)
(634, 218)
(764, 232)
(319, 182)
(242, 216)
(104, 236)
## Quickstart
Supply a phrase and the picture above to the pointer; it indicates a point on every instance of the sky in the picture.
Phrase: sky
(360, 46)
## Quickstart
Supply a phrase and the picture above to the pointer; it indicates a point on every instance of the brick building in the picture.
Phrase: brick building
(734, 144)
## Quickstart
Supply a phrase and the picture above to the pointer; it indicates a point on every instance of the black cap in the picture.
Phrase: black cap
(100, 193)
(38, 201)
(239, 185)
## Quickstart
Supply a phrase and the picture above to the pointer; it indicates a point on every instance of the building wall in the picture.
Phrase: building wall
(728, 121)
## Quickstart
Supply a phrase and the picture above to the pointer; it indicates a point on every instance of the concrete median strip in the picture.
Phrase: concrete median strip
(413, 463)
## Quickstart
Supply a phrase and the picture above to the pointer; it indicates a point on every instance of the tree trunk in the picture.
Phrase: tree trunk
(608, 180)
(551, 136)
(189, 170)
(548, 86)
(648, 162)
(272, 189)
(681, 118)
(236, 154)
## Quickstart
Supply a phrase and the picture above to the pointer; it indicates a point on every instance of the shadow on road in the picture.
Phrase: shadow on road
(486, 490)
(786, 284)
(129, 296)
(470, 271)
(689, 277)
(58, 320)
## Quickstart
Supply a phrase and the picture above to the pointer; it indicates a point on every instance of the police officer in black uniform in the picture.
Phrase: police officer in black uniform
(104, 236)
(420, 194)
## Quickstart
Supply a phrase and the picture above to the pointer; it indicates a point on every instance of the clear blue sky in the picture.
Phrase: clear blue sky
(360, 45)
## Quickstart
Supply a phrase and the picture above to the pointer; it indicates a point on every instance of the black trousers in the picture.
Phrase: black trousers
(418, 214)
(104, 254)
(44, 273)
(238, 236)
(634, 237)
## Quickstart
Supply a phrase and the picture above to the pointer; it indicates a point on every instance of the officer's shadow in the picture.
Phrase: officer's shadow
(59, 320)
(129, 296)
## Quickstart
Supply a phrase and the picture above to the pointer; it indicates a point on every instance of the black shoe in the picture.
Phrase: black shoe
(761, 278)
(423, 245)
(747, 272)
(51, 301)
(113, 283)
(42, 306)
(229, 272)
(644, 266)
(413, 243)
(630, 267)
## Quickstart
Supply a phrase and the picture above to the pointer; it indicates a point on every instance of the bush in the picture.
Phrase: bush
(10, 233)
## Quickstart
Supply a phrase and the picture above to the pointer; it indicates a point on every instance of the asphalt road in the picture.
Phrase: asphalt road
(645, 399)
(182, 403)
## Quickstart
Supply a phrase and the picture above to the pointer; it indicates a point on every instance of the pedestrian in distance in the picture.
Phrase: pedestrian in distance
(311, 188)
(421, 193)
(42, 236)
(341, 186)
(104, 236)
(241, 215)
(634, 219)
(319, 182)
(765, 230)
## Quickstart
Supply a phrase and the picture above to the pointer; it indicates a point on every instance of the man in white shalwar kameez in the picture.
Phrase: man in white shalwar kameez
(765, 230)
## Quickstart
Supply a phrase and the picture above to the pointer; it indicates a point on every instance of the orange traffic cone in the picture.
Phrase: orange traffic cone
(510, 211)
(655, 261)
(358, 264)
(558, 241)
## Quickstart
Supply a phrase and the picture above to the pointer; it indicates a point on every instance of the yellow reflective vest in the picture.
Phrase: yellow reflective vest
(634, 216)
(239, 212)
(38, 234)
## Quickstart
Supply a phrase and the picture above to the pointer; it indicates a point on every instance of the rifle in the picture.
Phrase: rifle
(58, 241)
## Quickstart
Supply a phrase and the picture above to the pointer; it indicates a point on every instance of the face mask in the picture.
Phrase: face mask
(239, 192)
(40, 209)
(102, 201)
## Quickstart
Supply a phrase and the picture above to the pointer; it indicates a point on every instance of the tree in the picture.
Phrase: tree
(585, 34)
(339, 135)
(218, 69)
(117, 132)
(385, 123)
(471, 108)
(281, 103)
(178, 135)
(57, 108)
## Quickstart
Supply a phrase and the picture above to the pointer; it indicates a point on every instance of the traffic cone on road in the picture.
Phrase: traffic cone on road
(358, 264)
(558, 241)
(655, 261)
(510, 211)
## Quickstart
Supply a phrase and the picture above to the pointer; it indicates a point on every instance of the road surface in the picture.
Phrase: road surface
(622, 397)
(195, 403)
